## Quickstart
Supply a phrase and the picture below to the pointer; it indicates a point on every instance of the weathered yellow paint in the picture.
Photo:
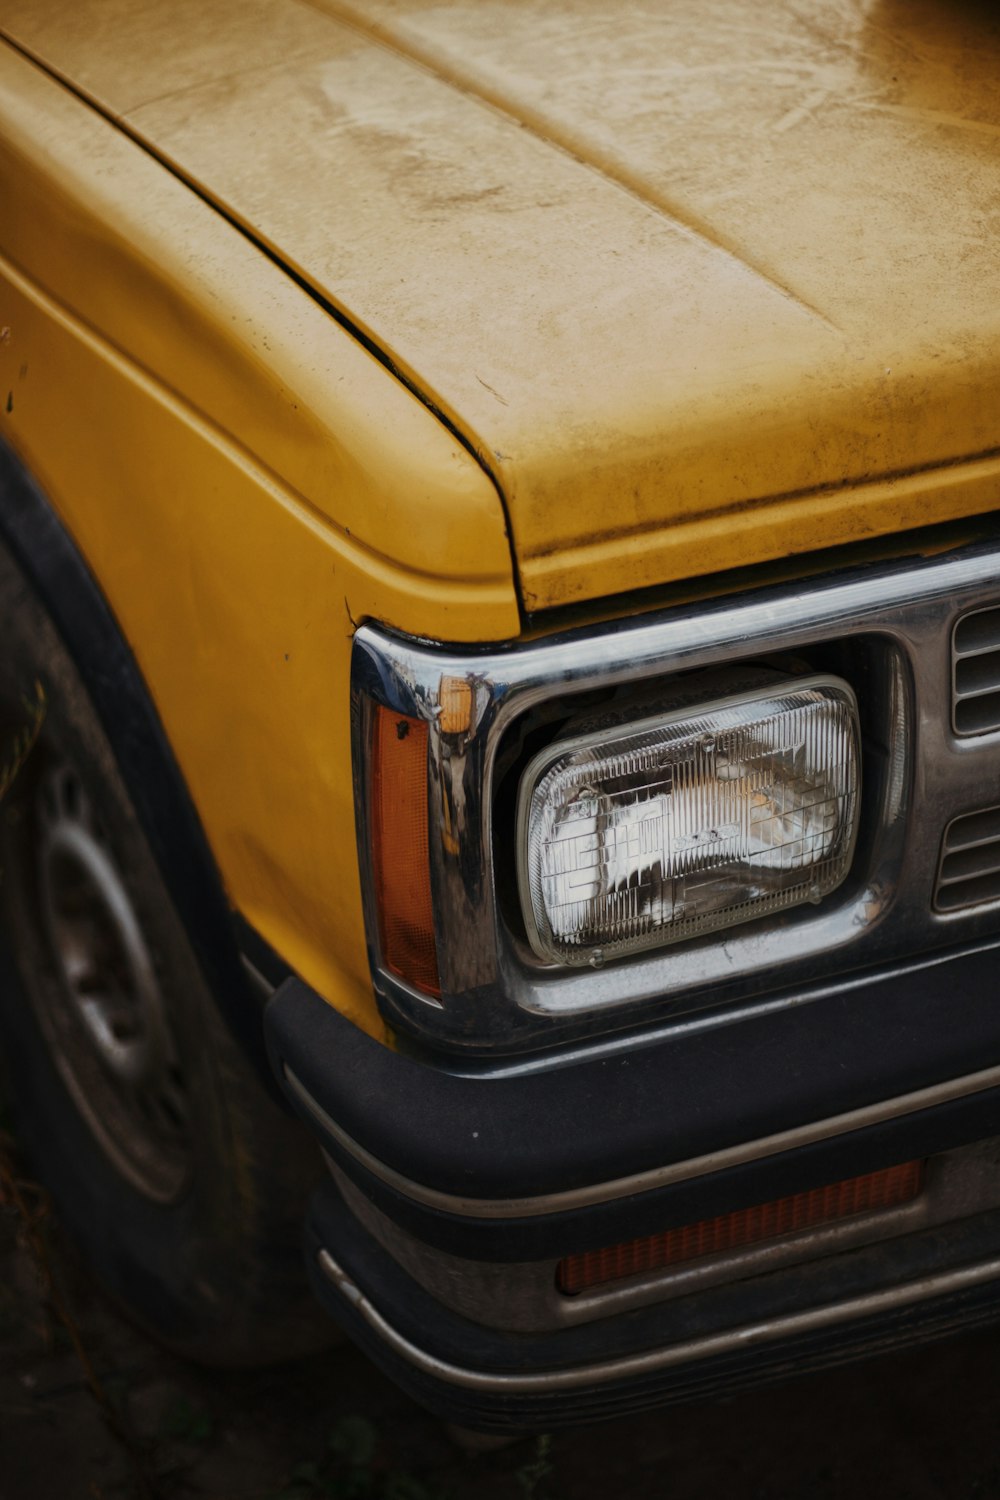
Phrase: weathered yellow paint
(703, 285)
(244, 480)
(706, 284)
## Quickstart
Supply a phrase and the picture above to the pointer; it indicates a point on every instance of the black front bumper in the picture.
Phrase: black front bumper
(725, 1114)
(922, 1288)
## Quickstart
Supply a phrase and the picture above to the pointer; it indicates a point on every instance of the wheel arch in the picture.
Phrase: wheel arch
(60, 577)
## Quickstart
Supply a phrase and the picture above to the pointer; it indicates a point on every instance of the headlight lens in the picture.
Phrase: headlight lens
(689, 821)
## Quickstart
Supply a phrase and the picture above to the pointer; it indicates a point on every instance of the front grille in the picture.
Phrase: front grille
(975, 667)
(969, 872)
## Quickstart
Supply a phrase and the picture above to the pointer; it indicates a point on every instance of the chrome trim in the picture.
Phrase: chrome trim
(263, 987)
(522, 1296)
(685, 1024)
(656, 1177)
(748, 1337)
(894, 623)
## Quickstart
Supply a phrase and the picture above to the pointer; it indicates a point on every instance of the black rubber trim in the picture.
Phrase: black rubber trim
(54, 567)
(596, 1226)
(915, 544)
(685, 1096)
(447, 1336)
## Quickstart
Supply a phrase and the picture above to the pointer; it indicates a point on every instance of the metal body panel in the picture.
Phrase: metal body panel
(214, 443)
(335, 332)
(661, 288)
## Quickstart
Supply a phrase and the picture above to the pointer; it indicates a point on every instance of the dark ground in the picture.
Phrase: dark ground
(923, 1425)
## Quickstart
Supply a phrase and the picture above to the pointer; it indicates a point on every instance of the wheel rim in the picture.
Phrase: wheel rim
(106, 1018)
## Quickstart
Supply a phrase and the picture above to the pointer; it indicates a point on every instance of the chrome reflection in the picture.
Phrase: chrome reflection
(892, 621)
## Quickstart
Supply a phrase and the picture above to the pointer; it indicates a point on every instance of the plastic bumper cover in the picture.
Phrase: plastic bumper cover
(701, 1120)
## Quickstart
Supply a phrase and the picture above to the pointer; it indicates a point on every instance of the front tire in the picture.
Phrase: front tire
(179, 1177)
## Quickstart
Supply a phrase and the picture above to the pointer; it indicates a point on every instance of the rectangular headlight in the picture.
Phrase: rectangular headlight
(689, 821)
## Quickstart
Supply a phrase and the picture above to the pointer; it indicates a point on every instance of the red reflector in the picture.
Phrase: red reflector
(399, 849)
(747, 1226)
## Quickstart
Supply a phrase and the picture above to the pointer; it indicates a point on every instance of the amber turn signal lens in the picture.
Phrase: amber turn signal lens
(399, 848)
(455, 698)
(747, 1226)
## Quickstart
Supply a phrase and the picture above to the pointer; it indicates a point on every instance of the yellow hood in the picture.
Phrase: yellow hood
(704, 282)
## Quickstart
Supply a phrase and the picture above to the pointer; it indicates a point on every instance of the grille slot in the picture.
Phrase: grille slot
(975, 663)
(969, 873)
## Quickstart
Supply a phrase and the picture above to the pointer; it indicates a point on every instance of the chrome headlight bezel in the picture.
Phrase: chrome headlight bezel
(885, 628)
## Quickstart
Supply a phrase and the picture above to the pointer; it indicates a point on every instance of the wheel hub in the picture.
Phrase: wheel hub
(111, 1032)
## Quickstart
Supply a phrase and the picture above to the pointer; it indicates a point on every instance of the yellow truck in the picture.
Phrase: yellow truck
(500, 678)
